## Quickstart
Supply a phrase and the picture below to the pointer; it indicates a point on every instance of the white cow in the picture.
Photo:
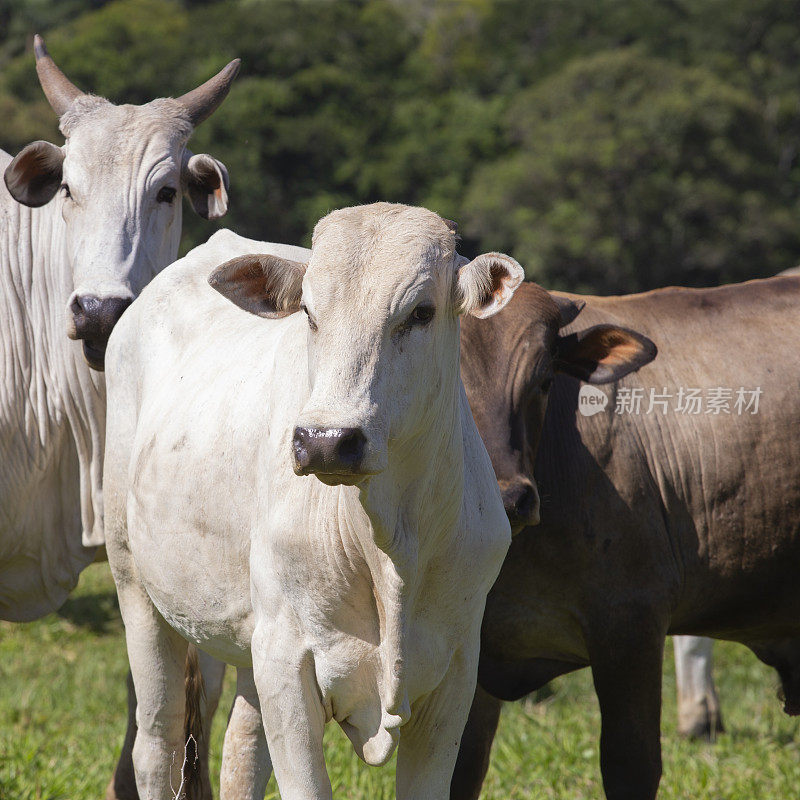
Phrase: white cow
(83, 227)
(699, 715)
(308, 494)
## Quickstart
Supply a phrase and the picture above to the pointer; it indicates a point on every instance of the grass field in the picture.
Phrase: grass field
(62, 717)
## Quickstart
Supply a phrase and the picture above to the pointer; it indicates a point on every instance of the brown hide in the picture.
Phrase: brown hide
(651, 523)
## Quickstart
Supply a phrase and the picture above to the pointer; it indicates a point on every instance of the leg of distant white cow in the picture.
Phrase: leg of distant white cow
(246, 766)
(293, 716)
(213, 672)
(429, 742)
(157, 657)
(698, 705)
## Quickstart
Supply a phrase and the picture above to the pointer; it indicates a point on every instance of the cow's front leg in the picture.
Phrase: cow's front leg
(627, 672)
(476, 746)
(246, 765)
(699, 715)
(157, 656)
(291, 710)
(123, 782)
(429, 741)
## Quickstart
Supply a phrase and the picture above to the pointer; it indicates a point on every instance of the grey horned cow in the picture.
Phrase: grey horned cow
(83, 228)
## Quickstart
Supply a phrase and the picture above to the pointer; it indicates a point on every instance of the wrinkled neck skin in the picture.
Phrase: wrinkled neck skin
(52, 414)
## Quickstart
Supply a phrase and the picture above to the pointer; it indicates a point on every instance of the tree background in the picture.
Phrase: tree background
(609, 145)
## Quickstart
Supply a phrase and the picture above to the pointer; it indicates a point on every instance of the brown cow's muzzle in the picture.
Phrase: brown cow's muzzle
(93, 319)
(334, 455)
(521, 502)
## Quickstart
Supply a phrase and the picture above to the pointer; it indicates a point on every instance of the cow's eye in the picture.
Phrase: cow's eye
(64, 188)
(421, 315)
(311, 323)
(166, 194)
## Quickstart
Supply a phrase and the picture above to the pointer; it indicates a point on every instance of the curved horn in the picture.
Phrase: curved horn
(203, 101)
(58, 89)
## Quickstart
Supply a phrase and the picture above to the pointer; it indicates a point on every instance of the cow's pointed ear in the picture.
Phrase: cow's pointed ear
(603, 353)
(206, 181)
(34, 175)
(264, 285)
(569, 309)
(485, 284)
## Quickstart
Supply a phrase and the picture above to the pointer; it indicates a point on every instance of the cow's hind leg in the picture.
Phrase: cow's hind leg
(429, 742)
(626, 668)
(246, 765)
(476, 746)
(213, 672)
(212, 675)
(699, 714)
(123, 782)
(292, 711)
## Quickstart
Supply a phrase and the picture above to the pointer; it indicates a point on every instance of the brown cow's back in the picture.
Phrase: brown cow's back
(723, 486)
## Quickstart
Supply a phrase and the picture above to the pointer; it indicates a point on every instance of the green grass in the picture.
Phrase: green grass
(62, 712)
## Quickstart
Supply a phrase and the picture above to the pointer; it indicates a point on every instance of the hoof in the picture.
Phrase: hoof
(703, 727)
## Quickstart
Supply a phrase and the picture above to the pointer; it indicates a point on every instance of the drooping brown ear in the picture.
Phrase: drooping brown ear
(487, 283)
(603, 353)
(569, 309)
(207, 185)
(264, 285)
(33, 177)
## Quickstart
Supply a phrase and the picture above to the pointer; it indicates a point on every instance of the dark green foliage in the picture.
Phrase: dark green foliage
(627, 172)
(610, 145)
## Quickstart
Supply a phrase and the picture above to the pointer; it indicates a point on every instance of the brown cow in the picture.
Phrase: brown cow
(652, 523)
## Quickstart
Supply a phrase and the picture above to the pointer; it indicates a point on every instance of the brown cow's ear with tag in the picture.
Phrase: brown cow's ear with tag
(487, 283)
(206, 181)
(33, 177)
(264, 285)
(603, 353)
